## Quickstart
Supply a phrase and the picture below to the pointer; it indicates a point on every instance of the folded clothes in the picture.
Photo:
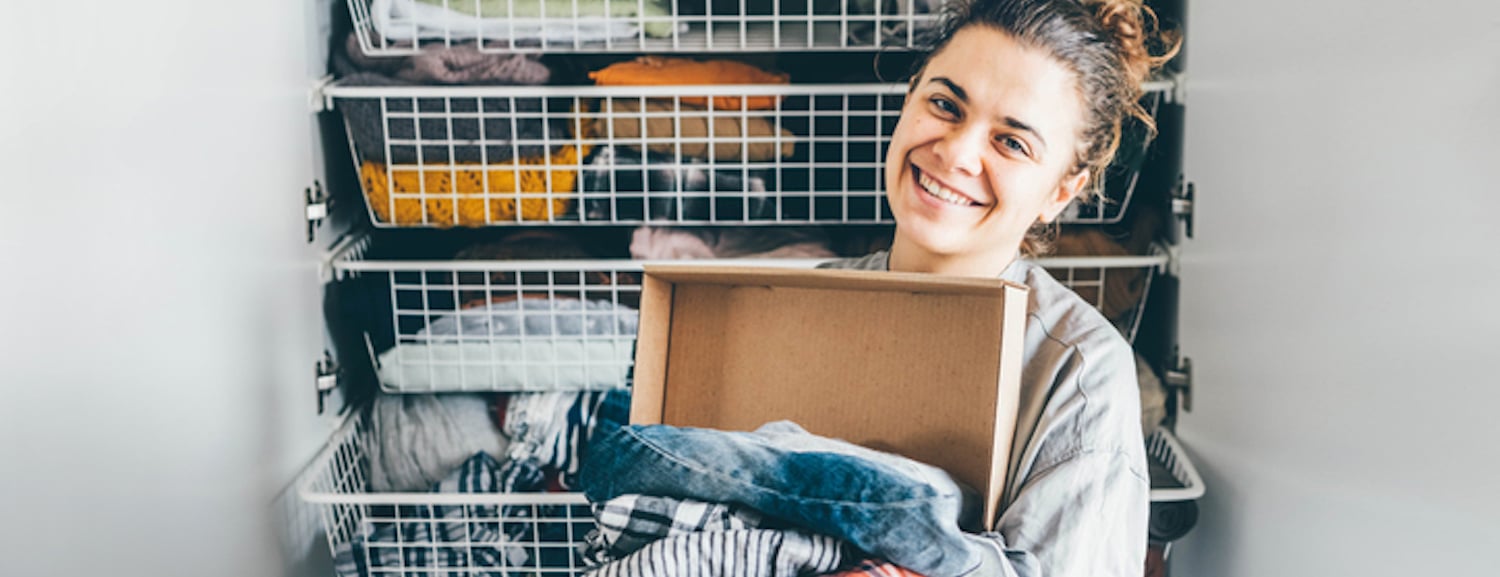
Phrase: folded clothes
(518, 345)
(630, 522)
(444, 130)
(414, 441)
(1153, 397)
(736, 553)
(528, 244)
(553, 432)
(665, 71)
(1123, 287)
(490, 194)
(900, 22)
(652, 243)
(886, 505)
(729, 136)
(460, 63)
(624, 184)
(434, 537)
(520, 20)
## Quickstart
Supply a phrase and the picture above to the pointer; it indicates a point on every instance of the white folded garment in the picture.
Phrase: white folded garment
(405, 20)
(508, 364)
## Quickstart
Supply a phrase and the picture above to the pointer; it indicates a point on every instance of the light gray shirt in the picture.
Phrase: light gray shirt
(1077, 493)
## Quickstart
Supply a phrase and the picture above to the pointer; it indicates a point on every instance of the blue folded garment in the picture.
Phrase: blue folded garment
(886, 505)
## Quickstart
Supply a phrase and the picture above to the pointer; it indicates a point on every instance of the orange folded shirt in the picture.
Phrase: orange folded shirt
(665, 71)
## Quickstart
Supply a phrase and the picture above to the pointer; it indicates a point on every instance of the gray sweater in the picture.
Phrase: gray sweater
(1078, 493)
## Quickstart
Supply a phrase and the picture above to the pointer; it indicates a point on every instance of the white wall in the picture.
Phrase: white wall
(160, 309)
(1340, 299)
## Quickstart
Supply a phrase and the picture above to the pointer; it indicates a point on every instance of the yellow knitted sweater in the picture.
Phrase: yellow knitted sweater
(448, 195)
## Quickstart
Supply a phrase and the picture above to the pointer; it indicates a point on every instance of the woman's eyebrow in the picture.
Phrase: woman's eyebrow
(959, 92)
(1010, 121)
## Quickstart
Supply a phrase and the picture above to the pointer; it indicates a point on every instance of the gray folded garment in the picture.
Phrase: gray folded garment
(461, 63)
(418, 128)
(414, 441)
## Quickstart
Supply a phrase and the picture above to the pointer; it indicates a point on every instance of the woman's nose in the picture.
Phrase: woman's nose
(961, 148)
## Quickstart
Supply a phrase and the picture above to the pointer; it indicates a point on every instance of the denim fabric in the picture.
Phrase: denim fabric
(886, 505)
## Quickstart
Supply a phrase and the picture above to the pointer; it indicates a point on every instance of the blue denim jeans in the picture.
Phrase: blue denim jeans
(886, 505)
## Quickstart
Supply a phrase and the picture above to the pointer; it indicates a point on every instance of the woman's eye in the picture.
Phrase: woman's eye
(1014, 145)
(945, 106)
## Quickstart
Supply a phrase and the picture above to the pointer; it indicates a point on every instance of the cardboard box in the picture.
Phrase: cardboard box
(922, 366)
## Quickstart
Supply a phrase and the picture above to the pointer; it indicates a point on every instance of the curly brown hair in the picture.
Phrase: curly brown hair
(1111, 46)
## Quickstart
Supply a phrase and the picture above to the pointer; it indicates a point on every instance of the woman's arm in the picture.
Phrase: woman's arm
(1085, 516)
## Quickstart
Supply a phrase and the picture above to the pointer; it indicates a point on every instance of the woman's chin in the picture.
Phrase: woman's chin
(929, 238)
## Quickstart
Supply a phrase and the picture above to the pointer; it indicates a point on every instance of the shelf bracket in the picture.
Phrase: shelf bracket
(325, 378)
(1182, 204)
(1179, 378)
(318, 99)
(1178, 94)
(316, 208)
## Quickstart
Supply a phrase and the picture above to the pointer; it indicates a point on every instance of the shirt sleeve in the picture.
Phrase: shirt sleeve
(1085, 516)
(1083, 507)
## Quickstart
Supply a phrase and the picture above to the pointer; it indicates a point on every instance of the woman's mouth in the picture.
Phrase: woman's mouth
(935, 190)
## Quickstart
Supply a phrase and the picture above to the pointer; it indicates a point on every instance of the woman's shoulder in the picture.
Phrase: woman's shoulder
(1066, 324)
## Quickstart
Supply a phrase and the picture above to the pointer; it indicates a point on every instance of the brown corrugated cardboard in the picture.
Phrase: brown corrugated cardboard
(923, 366)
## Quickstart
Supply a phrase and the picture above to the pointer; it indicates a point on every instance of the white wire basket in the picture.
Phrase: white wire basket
(475, 325)
(374, 534)
(1162, 447)
(607, 155)
(397, 27)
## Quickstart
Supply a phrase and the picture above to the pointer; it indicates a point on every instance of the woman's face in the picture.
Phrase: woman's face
(984, 148)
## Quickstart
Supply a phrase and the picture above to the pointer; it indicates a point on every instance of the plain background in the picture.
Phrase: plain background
(1339, 299)
(160, 308)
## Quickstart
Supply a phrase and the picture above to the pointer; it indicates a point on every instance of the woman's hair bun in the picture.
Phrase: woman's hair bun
(1143, 45)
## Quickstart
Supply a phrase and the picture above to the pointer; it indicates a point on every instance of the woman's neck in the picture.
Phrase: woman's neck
(906, 257)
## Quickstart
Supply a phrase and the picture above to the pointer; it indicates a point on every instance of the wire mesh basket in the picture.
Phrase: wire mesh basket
(474, 325)
(607, 155)
(534, 534)
(371, 534)
(1164, 450)
(396, 27)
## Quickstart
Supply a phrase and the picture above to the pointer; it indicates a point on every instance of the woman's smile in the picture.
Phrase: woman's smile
(939, 191)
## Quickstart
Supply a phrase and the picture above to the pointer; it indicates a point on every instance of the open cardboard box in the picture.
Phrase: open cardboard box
(922, 366)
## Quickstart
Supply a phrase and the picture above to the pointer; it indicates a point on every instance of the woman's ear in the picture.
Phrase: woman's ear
(1066, 191)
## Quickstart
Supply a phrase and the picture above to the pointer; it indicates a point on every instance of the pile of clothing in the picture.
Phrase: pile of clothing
(456, 161)
(688, 157)
(521, 22)
(469, 444)
(775, 502)
(502, 330)
(476, 161)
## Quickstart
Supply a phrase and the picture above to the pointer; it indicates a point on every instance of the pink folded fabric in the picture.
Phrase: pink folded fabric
(694, 243)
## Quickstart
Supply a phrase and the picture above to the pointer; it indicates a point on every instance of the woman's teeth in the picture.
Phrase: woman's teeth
(937, 191)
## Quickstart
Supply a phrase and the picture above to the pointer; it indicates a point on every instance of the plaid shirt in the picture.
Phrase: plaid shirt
(630, 522)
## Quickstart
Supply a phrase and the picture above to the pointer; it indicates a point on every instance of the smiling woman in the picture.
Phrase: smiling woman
(1017, 110)
(1014, 113)
(985, 147)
